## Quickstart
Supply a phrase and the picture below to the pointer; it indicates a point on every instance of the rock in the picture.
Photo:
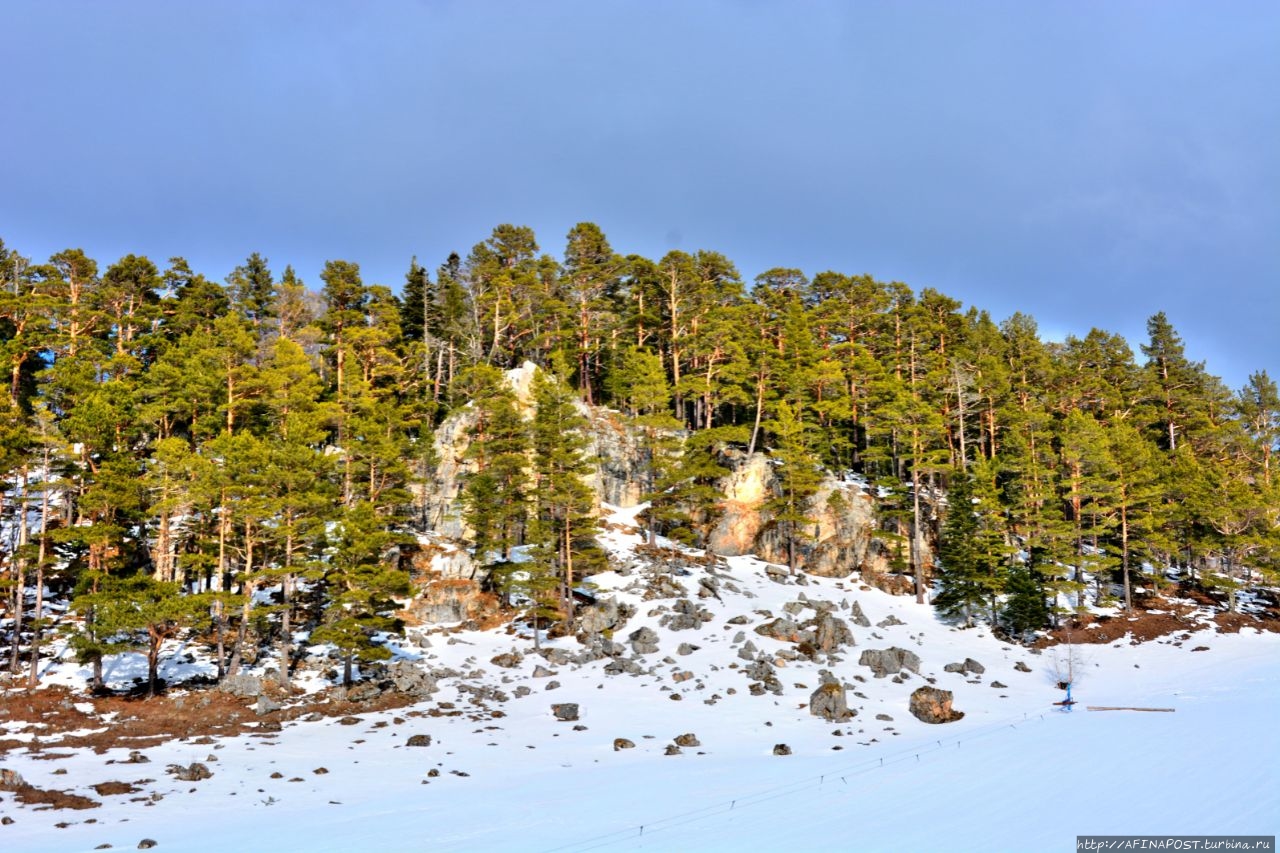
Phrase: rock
(644, 641)
(622, 743)
(270, 726)
(193, 772)
(418, 740)
(552, 685)
(1021, 667)
(781, 749)
(931, 705)
(146, 844)
(741, 619)
(782, 629)
(507, 660)
(541, 671)
(953, 667)
(522, 691)
(687, 739)
(266, 705)
(600, 617)
(365, 691)
(10, 780)
(687, 649)
(889, 621)
(885, 662)
(349, 721)
(565, 711)
(242, 684)
(681, 676)
(6, 821)
(830, 703)
(410, 679)
(672, 749)
(884, 718)
(831, 633)
(999, 686)
(748, 651)
(858, 617)
(971, 665)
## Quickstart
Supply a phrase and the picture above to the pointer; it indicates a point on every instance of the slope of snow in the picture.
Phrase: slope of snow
(1015, 774)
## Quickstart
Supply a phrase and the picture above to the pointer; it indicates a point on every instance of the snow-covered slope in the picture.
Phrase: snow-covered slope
(503, 773)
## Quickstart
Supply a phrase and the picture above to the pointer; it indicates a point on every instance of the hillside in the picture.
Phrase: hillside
(499, 771)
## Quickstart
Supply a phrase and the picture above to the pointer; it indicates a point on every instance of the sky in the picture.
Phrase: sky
(1088, 163)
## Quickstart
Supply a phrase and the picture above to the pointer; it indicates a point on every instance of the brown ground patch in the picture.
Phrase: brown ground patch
(1231, 623)
(144, 722)
(49, 799)
(108, 789)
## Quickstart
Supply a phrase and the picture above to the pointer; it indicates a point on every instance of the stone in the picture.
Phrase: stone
(418, 740)
(884, 662)
(687, 649)
(553, 685)
(999, 686)
(410, 679)
(565, 711)
(193, 772)
(242, 684)
(884, 718)
(644, 641)
(781, 628)
(830, 703)
(971, 665)
(831, 633)
(858, 617)
(889, 621)
(541, 671)
(687, 739)
(1021, 667)
(672, 749)
(622, 743)
(931, 705)
(146, 844)
(600, 617)
(781, 749)
(507, 660)
(11, 780)
(266, 705)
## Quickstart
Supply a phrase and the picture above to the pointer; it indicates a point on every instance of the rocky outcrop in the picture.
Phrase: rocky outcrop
(931, 705)
(885, 662)
(830, 703)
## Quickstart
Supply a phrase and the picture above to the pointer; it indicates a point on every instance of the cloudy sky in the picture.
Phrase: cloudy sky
(1088, 163)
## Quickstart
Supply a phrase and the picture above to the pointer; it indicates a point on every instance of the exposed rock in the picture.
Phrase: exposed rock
(971, 665)
(931, 705)
(193, 772)
(1021, 667)
(644, 641)
(418, 740)
(999, 686)
(146, 844)
(410, 679)
(688, 739)
(687, 649)
(889, 621)
(831, 633)
(672, 749)
(541, 671)
(10, 780)
(889, 661)
(686, 616)
(507, 660)
(781, 628)
(600, 617)
(829, 703)
(266, 705)
(565, 712)
(781, 749)
(858, 617)
(622, 743)
(884, 717)
(242, 684)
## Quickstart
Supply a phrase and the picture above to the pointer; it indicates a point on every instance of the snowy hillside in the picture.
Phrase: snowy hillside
(491, 767)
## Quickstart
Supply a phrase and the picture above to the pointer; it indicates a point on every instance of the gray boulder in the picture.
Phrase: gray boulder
(565, 712)
(885, 662)
(644, 641)
(830, 703)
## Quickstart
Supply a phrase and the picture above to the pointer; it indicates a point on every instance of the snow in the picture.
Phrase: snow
(1015, 774)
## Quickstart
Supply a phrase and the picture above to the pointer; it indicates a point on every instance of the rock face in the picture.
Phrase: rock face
(890, 661)
(931, 705)
(843, 514)
(829, 703)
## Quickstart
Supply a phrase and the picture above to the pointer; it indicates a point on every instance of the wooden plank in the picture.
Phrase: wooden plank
(1125, 708)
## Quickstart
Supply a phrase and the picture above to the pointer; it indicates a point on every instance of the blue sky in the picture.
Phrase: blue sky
(1087, 163)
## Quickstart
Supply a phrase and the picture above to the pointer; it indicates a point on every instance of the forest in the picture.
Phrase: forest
(237, 459)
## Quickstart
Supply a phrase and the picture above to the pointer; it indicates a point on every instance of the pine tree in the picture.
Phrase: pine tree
(798, 477)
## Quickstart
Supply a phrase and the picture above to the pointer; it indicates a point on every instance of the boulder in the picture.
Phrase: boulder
(1020, 666)
(10, 780)
(622, 743)
(781, 749)
(884, 662)
(858, 617)
(831, 633)
(565, 711)
(242, 684)
(931, 705)
(410, 679)
(266, 705)
(644, 641)
(782, 629)
(193, 772)
(507, 660)
(418, 740)
(687, 739)
(830, 703)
